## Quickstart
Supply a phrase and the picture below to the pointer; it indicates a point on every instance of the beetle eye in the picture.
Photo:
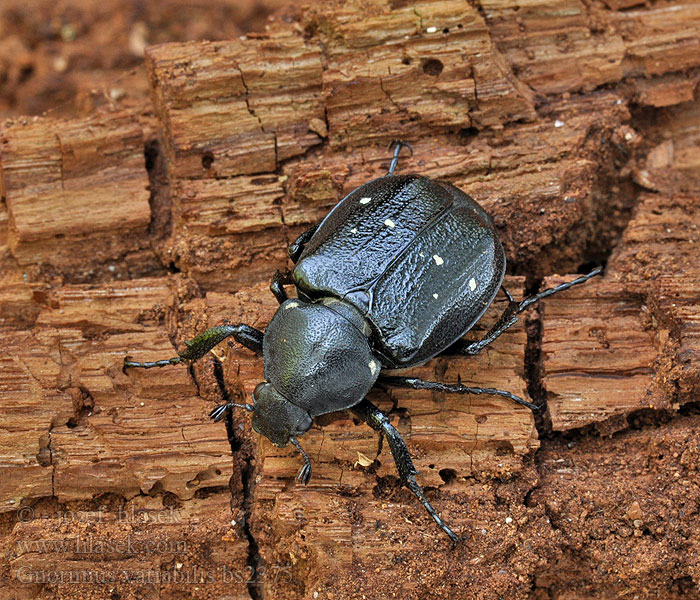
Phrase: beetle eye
(258, 389)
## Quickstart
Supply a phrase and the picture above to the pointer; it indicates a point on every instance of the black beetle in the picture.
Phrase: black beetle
(395, 274)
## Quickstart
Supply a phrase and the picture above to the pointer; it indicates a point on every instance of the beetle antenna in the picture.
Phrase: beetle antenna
(397, 144)
(218, 413)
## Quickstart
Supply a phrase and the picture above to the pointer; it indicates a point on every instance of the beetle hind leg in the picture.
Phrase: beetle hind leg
(378, 421)
(397, 145)
(510, 315)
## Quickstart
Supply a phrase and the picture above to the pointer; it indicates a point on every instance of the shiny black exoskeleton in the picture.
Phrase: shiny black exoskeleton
(396, 273)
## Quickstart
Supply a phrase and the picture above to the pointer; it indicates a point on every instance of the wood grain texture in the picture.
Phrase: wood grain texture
(236, 107)
(80, 181)
(598, 355)
(433, 63)
(568, 46)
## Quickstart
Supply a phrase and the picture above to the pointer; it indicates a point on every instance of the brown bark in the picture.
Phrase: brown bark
(574, 124)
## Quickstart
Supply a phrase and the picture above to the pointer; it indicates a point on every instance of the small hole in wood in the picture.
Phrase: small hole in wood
(467, 134)
(207, 160)
(432, 67)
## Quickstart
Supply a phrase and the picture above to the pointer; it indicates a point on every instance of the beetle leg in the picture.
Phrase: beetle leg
(297, 246)
(305, 472)
(279, 280)
(506, 320)
(523, 304)
(507, 294)
(420, 384)
(197, 347)
(398, 144)
(509, 316)
(378, 421)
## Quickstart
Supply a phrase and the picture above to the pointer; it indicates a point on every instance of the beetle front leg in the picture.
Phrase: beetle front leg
(197, 347)
(378, 421)
(305, 471)
(279, 280)
(509, 316)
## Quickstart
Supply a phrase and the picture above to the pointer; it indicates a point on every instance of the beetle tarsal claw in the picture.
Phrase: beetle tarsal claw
(305, 472)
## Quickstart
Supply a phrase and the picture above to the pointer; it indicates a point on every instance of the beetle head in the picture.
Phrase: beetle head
(275, 417)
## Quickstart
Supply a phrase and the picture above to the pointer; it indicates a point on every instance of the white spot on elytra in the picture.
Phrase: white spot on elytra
(558, 123)
(437, 259)
(472, 284)
(389, 223)
(435, 296)
(373, 366)
(292, 304)
(353, 230)
(365, 200)
(431, 30)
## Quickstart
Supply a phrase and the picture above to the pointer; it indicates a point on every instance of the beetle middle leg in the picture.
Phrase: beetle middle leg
(509, 316)
(450, 388)
(198, 346)
(279, 280)
(378, 421)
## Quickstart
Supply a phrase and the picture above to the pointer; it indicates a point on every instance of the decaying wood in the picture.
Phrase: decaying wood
(597, 354)
(228, 232)
(83, 411)
(227, 104)
(76, 191)
(630, 490)
(635, 327)
(575, 125)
